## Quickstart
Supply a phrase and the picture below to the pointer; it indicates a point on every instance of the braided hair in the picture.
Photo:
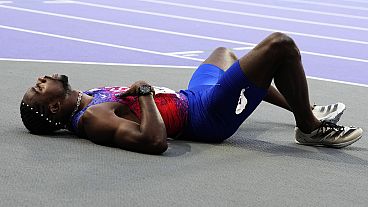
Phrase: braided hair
(36, 121)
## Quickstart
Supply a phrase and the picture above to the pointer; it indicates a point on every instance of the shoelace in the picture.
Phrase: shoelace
(325, 126)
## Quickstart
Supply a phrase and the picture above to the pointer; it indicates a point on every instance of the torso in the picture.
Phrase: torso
(173, 107)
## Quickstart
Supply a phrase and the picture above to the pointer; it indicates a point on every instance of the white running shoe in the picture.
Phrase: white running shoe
(329, 135)
(329, 113)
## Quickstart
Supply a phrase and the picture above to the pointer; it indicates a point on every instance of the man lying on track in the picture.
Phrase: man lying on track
(222, 93)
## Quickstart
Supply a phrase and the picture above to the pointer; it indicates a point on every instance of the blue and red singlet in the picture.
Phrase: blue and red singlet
(173, 106)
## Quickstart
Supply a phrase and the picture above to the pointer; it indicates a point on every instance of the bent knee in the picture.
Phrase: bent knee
(226, 52)
(279, 38)
(283, 44)
(222, 49)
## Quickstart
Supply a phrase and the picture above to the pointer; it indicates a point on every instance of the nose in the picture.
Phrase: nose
(41, 79)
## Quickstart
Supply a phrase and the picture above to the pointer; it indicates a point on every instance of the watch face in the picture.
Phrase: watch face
(144, 90)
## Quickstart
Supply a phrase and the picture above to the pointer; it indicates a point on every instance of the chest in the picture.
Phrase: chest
(123, 111)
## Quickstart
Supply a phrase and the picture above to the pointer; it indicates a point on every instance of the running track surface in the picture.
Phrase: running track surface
(259, 166)
(332, 35)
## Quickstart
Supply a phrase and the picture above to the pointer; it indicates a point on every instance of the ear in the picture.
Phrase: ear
(54, 107)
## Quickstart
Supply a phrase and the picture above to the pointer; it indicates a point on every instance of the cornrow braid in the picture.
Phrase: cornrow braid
(36, 121)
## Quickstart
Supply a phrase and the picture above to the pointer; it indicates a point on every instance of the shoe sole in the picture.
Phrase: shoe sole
(340, 145)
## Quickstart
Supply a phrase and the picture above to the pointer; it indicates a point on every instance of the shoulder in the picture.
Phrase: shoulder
(100, 109)
(99, 122)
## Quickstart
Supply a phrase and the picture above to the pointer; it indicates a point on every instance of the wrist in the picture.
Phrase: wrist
(146, 90)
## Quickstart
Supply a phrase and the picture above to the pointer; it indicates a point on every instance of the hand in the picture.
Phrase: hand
(133, 90)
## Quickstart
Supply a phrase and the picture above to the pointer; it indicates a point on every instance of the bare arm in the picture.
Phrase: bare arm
(149, 136)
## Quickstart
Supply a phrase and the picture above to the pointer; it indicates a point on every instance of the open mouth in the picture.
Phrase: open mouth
(37, 88)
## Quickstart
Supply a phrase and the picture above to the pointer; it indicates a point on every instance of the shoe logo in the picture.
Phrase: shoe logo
(241, 103)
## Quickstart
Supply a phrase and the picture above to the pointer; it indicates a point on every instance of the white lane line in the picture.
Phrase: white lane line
(259, 15)
(190, 55)
(96, 42)
(334, 56)
(58, 2)
(293, 9)
(153, 66)
(185, 18)
(231, 24)
(338, 81)
(243, 48)
(174, 33)
(186, 52)
(302, 52)
(126, 25)
(258, 28)
(94, 63)
(358, 1)
(328, 4)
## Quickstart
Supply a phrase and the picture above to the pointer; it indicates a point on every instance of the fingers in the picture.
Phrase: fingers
(129, 92)
(132, 91)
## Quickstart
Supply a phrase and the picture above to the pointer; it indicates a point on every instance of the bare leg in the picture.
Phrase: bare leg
(224, 58)
(276, 98)
(277, 57)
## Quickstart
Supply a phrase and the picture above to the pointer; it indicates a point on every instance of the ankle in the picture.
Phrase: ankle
(307, 128)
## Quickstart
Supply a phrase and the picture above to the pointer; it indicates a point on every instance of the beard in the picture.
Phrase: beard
(65, 81)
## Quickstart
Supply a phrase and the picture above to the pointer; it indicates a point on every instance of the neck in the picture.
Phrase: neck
(71, 105)
(77, 104)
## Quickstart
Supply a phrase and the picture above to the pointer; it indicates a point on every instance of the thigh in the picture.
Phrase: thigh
(217, 112)
(261, 63)
(211, 70)
(206, 76)
(233, 99)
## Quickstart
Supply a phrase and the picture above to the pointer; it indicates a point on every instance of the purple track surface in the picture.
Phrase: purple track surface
(333, 35)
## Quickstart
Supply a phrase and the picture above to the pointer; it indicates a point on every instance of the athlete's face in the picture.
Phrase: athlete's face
(47, 89)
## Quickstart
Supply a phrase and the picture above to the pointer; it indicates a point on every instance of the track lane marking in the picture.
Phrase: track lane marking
(125, 25)
(358, 1)
(256, 15)
(202, 21)
(184, 18)
(172, 32)
(96, 42)
(328, 4)
(94, 63)
(293, 9)
(155, 66)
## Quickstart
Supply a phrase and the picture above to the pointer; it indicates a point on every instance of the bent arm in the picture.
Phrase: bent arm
(152, 130)
(103, 126)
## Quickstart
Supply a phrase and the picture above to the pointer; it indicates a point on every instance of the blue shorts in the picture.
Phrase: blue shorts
(219, 102)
